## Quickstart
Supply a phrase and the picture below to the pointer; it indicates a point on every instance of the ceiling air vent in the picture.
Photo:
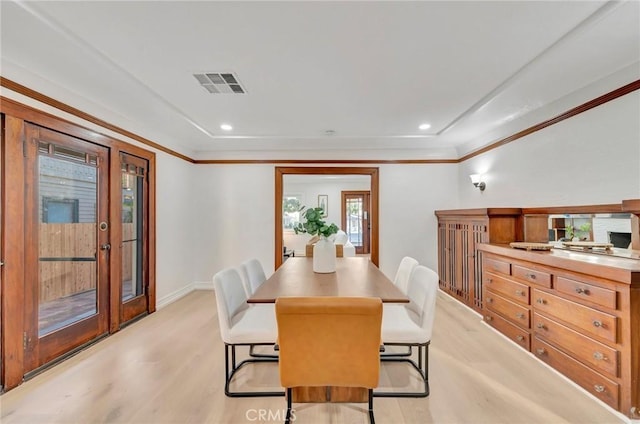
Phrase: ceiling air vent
(220, 82)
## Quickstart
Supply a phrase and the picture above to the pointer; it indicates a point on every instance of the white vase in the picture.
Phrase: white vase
(324, 256)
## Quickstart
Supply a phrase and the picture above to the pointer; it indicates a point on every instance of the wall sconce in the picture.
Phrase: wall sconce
(476, 179)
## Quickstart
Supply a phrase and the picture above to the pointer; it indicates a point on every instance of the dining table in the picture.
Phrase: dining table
(354, 276)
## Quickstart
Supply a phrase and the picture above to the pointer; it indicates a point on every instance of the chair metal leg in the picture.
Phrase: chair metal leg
(398, 354)
(287, 419)
(422, 367)
(371, 418)
(260, 355)
(229, 373)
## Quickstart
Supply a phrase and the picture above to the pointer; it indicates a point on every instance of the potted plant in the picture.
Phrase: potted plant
(324, 251)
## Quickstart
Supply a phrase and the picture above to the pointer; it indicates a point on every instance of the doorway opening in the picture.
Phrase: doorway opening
(372, 172)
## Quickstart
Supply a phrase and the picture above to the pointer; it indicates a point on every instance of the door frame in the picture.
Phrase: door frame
(281, 171)
(12, 292)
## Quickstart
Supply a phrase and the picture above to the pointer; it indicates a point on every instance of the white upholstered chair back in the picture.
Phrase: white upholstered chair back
(253, 274)
(422, 292)
(231, 299)
(403, 274)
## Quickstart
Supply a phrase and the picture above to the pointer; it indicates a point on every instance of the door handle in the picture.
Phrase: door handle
(106, 246)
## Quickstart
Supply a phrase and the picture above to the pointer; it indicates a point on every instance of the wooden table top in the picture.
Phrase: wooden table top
(354, 276)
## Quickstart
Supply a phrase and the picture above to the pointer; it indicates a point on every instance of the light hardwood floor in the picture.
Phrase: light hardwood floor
(168, 368)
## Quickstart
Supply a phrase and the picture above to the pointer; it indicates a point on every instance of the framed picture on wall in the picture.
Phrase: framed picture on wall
(323, 202)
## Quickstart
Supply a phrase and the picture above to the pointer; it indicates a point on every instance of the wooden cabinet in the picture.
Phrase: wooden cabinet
(459, 233)
(577, 312)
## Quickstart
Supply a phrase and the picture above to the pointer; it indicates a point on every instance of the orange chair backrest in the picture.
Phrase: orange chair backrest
(329, 341)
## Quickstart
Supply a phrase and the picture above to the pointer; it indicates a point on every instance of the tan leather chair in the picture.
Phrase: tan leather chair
(329, 341)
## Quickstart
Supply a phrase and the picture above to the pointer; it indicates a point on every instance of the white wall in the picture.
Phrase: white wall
(234, 212)
(409, 195)
(592, 158)
(175, 228)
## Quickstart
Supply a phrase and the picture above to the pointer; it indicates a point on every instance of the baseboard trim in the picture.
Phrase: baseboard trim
(203, 285)
(172, 297)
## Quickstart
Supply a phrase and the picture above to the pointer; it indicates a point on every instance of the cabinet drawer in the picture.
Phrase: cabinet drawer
(495, 265)
(587, 319)
(584, 291)
(511, 311)
(601, 387)
(532, 276)
(515, 333)
(586, 350)
(508, 288)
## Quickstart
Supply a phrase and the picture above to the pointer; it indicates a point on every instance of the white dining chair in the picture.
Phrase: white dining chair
(253, 274)
(412, 326)
(241, 324)
(401, 280)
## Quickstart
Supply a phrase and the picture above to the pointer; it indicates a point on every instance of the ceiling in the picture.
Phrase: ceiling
(319, 76)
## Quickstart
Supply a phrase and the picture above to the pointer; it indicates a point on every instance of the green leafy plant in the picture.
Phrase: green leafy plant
(581, 232)
(569, 234)
(314, 224)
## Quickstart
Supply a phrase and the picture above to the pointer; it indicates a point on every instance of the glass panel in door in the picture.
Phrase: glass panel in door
(131, 234)
(67, 187)
(355, 219)
(133, 171)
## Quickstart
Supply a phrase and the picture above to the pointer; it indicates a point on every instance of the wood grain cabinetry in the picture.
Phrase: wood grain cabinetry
(459, 233)
(577, 312)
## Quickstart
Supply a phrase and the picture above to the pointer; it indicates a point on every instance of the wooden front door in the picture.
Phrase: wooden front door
(66, 244)
(355, 219)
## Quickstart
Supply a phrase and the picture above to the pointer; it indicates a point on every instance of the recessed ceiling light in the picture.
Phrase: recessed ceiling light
(424, 126)
(226, 127)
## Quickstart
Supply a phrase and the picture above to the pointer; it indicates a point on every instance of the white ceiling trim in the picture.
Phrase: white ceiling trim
(482, 102)
(572, 33)
(88, 48)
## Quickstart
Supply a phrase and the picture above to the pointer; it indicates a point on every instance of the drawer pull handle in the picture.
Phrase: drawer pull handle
(488, 318)
(531, 276)
(490, 280)
(598, 356)
(580, 290)
(520, 315)
(540, 351)
(519, 293)
(540, 325)
(541, 301)
(489, 300)
(597, 323)
(520, 338)
(598, 388)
